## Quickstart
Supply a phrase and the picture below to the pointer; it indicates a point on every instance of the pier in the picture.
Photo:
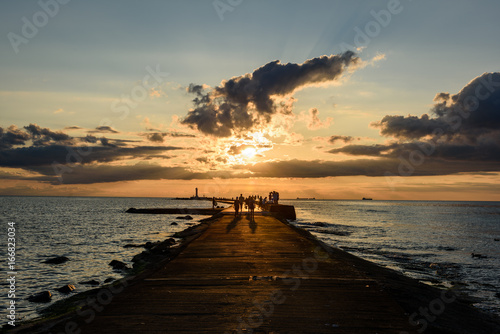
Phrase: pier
(261, 276)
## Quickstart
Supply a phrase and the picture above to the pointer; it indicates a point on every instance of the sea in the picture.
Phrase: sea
(431, 241)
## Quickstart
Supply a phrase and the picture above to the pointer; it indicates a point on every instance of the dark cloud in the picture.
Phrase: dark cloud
(103, 129)
(336, 138)
(89, 139)
(105, 173)
(88, 174)
(243, 102)
(74, 127)
(155, 137)
(43, 136)
(159, 137)
(410, 127)
(464, 127)
(367, 150)
(365, 167)
(105, 142)
(12, 136)
(473, 112)
(27, 157)
(485, 151)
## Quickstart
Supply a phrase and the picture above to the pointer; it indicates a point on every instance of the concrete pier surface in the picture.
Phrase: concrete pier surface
(264, 276)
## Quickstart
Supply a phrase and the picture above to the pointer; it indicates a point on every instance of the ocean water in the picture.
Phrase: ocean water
(90, 231)
(430, 241)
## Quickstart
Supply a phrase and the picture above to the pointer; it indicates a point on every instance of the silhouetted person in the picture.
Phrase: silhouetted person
(242, 199)
(251, 207)
(236, 206)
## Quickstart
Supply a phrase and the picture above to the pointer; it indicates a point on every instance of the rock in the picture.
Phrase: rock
(149, 244)
(118, 265)
(163, 246)
(174, 223)
(41, 297)
(131, 210)
(109, 280)
(496, 239)
(66, 288)
(497, 294)
(320, 224)
(188, 217)
(133, 246)
(56, 260)
(92, 282)
(141, 257)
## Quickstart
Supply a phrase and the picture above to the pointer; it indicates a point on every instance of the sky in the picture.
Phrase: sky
(394, 100)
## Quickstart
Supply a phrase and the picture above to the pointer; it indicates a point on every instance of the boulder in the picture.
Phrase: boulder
(163, 246)
(92, 282)
(188, 217)
(133, 246)
(118, 265)
(66, 288)
(174, 223)
(56, 260)
(41, 297)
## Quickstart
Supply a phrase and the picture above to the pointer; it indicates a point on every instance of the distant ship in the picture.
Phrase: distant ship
(306, 198)
(367, 199)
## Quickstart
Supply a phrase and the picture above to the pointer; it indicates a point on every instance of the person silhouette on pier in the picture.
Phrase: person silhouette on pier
(236, 206)
(251, 208)
(242, 200)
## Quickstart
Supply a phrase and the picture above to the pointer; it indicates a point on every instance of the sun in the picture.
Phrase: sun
(249, 152)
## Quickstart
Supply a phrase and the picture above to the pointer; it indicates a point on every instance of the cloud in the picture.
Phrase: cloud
(106, 173)
(103, 129)
(464, 129)
(12, 136)
(89, 139)
(315, 123)
(410, 127)
(244, 102)
(336, 138)
(465, 116)
(44, 136)
(356, 167)
(159, 137)
(367, 150)
(28, 157)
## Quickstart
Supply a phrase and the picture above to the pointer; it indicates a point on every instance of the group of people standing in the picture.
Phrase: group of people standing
(252, 201)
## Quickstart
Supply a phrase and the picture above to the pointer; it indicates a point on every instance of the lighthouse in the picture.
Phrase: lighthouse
(196, 196)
